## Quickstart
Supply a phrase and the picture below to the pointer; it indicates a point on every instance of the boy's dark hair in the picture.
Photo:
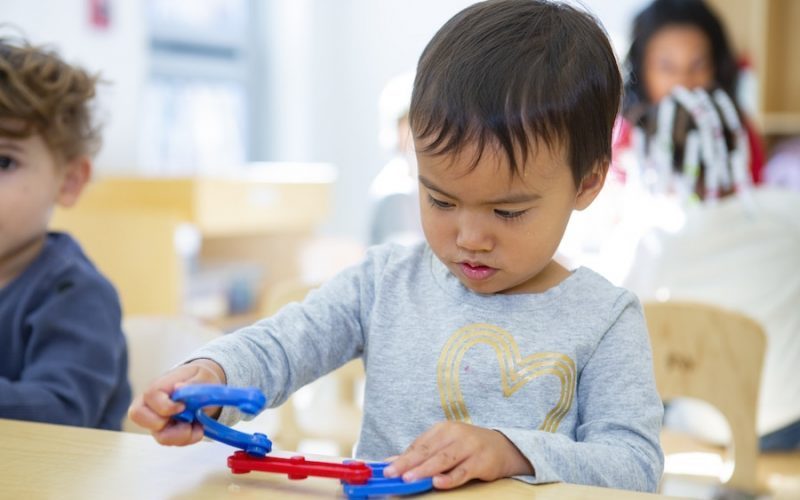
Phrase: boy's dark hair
(658, 15)
(40, 93)
(510, 72)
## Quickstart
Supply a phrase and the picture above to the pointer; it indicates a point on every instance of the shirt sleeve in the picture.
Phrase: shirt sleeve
(73, 355)
(616, 442)
(300, 343)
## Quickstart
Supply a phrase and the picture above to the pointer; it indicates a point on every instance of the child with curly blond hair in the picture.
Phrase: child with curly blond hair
(64, 358)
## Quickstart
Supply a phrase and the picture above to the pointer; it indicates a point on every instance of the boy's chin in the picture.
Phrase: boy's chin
(480, 288)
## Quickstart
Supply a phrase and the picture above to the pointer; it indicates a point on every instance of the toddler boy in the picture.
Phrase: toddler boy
(484, 357)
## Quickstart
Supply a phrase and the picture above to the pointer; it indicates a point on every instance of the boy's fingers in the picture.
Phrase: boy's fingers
(153, 409)
(424, 447)
(157, 397)
(457, 476)
(179, 434)
(443, 460)
(145, 417)
(417, 453)
(160, 402)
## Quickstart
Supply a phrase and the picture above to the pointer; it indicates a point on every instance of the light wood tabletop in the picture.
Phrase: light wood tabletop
(52, 461)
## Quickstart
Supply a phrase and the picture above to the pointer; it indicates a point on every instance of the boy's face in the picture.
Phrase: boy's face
(31, 183)
(495, 232)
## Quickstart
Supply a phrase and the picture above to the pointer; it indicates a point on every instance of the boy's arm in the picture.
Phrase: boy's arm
(74, 359)
(303, 341)
(617, 437)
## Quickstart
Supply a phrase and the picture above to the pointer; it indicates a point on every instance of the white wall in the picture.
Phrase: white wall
(330, 60)
(325, 63)
(117, 52)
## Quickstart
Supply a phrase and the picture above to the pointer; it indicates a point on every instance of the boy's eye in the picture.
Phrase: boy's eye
(508, 214)
(7, 163)
(439, 203)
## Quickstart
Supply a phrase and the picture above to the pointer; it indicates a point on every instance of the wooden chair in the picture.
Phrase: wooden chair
(714, 355)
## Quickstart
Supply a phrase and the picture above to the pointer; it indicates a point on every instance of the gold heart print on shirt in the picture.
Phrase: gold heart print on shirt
(515, 371)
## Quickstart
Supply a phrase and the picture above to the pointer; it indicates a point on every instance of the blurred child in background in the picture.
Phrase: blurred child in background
(680, 43)
(676, 44)
(731, 245)
(393, 193)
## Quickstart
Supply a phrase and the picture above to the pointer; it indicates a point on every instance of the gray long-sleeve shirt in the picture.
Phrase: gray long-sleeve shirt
(566, 374)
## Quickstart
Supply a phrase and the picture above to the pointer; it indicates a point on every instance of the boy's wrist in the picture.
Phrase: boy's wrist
(212, 367)
(516, 464)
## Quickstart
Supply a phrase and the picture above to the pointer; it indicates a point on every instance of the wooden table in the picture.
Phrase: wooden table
(51, 461)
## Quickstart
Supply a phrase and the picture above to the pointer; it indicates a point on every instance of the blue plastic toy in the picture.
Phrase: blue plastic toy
(249, 400)
(379, 485)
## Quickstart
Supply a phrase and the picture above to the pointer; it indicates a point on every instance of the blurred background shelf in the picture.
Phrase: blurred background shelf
(765, 33)
(154, 237)
(776, 123)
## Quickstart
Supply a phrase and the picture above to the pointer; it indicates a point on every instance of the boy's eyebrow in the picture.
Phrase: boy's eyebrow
(428, 184)
(506, 200)
(11, 145)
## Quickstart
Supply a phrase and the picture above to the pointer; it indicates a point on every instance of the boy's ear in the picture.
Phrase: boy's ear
(76, 175)
(590, 185)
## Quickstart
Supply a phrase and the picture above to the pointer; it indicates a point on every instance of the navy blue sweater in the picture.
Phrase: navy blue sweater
(63, 357)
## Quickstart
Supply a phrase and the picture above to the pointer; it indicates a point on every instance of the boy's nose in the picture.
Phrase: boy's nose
(473, 237)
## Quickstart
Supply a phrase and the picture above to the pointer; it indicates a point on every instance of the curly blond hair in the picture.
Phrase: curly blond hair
(40, 93)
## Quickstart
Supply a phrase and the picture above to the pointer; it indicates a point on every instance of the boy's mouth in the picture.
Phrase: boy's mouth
(476, 272)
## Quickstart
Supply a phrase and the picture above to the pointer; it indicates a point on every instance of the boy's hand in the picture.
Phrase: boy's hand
(153, 409)
(455, 452)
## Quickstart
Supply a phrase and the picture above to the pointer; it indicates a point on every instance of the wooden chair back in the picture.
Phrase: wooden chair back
(714, 355)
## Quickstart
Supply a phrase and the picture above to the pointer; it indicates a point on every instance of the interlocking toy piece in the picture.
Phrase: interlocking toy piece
(248, 400)
(360, 480)
(299, 468)
(378, 485)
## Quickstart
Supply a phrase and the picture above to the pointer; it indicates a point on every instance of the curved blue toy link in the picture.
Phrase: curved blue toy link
(248, 400)
(378, 485)
(251, 400)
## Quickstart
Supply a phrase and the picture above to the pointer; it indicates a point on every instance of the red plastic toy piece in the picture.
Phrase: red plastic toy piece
(299, 468)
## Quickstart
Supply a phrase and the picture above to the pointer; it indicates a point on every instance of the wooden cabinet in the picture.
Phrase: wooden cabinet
(132, 227)
(767, 32)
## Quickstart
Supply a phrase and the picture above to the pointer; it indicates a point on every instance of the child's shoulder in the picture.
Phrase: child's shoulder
(589, 280)
(62, 279)
(61, 251)
(592, 290)
(393, 262)
(63, 263)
